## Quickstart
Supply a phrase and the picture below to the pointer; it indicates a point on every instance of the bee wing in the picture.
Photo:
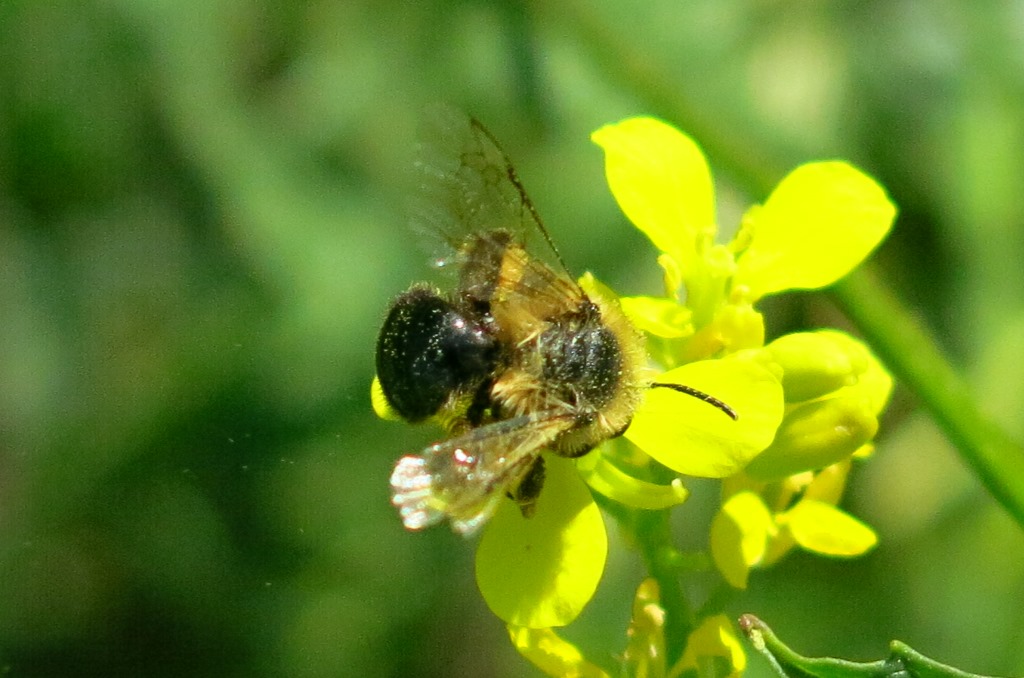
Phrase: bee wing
(529, 293)
(465, 185)
(469, 196)
(464, 478)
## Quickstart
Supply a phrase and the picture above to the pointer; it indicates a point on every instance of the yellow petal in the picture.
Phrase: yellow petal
(739, 536)
(541, 571)
(735, 327)
(658, 316)
(864, 451)
(693, 437)
(551, 654)
(714, 638)
(829, 483)
(778, 546)
(661, 180)
(820, 222)
(606, 478)
(825, 529)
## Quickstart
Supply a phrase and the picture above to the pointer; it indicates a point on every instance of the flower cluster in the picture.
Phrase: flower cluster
(808, 403)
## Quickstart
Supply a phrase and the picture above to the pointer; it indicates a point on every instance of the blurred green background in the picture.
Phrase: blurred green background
(201, 228)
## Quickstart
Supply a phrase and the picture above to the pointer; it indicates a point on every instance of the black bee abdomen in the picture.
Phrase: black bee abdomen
(585, 360)
(427, 350)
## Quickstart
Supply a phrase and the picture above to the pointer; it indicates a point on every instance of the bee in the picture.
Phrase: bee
(516, 359)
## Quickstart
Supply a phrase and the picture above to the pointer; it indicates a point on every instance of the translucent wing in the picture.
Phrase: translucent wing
(466, 184)
(464, 478)
(470, 201)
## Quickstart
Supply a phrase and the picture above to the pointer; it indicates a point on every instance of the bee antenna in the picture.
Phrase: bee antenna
(700, 395)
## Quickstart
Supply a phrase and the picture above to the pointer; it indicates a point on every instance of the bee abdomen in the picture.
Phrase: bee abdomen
(427, 351)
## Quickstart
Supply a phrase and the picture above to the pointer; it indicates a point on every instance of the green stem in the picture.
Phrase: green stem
(891, 329)
(654, 534)
(901, 662)
(904, 345)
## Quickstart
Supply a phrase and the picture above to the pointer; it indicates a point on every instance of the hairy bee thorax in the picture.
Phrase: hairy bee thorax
(586, 363)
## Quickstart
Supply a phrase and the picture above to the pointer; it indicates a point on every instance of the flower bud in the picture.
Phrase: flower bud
(816, 363)
(816, 434)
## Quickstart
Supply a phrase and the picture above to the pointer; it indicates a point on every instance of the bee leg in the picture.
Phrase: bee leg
(480, 406)
(529, 488)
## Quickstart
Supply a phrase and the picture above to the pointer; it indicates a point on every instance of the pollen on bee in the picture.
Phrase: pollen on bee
(462, 457)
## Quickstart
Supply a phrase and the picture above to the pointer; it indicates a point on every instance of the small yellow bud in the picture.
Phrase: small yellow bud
(815, 364)
(816, 434)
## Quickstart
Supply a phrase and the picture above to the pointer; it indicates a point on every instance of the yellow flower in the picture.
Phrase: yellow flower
(807, 401)
(712, 648)
(748, 532)
(781, 426)
(804, 402)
